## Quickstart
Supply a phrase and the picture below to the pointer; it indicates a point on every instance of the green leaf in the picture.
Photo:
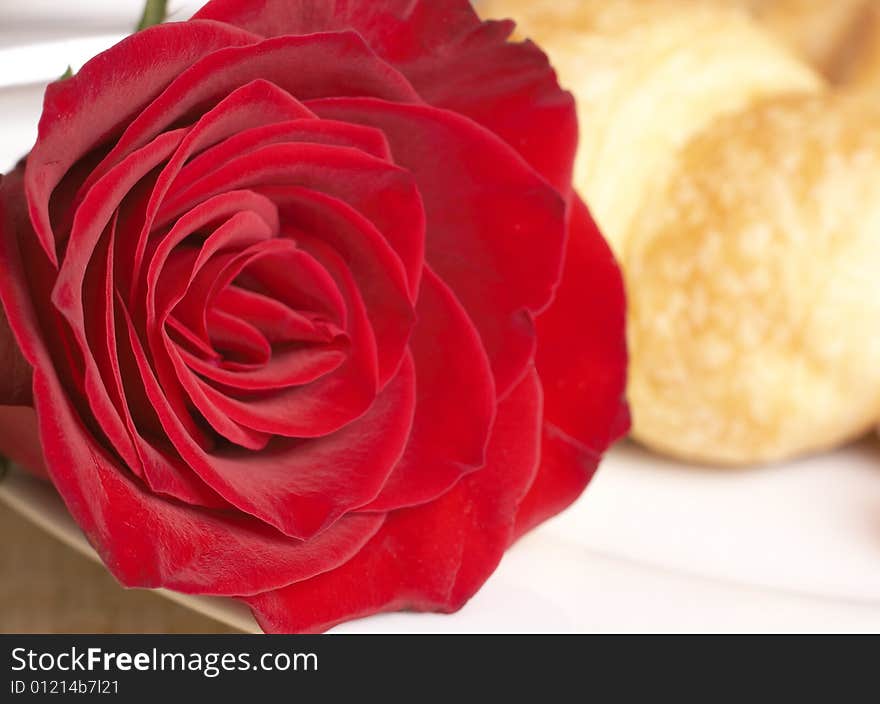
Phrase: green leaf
(155, 12)
(67, 74)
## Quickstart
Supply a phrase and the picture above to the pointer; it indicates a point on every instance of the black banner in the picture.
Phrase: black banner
(247, 668)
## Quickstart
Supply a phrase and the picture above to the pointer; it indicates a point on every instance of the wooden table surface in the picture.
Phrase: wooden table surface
(46, 587)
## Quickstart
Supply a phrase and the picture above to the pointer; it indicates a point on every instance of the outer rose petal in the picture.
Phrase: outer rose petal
(432, 557)
(582, 362)
(104, 95)
(495, 228)
(313, 66)
(452, 59)
(456, 402)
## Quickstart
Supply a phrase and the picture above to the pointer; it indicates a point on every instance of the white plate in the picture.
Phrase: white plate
(652, 546)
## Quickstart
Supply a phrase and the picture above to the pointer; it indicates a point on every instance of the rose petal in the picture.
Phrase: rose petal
(162, 473)
(84, 248)
(582, 362)
(96, 103)
(307, 411)
(210, 215)
(495, 228)
(352, 182)
(88, 380)
(386, 196)
(314, 131)
(300, 487)
(317, 65)
(147, 541)
(255, 104)
(452, 59)
(377, 270)
(187, 270)
(327, 404)
(455, 406)
(303, 487)
(285, 367)
(277, 322)
(432, 557)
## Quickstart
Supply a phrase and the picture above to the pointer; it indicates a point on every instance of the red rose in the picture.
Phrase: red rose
(276, 271)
